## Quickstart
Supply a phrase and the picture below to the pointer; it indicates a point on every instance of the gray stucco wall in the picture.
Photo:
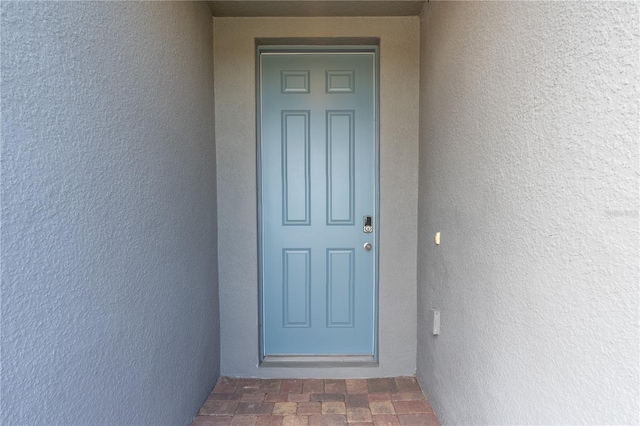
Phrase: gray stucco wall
(109, 292)
(237, 214)
(529, 168)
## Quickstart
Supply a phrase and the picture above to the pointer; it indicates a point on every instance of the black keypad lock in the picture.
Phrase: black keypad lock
(367, 225)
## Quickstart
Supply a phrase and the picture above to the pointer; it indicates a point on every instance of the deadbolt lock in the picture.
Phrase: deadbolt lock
(367, 226)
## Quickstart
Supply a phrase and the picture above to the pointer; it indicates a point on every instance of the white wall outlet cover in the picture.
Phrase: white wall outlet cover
(435, 315)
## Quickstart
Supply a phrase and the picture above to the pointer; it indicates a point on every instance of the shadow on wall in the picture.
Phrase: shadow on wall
(109, 274)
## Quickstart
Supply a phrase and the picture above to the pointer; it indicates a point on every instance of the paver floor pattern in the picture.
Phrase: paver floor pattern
(394, 401)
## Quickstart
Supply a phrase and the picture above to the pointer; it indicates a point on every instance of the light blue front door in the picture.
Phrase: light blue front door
(318, 183)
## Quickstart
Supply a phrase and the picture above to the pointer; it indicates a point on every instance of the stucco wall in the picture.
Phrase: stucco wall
(109, 306)
(529, 168)
(237, 214)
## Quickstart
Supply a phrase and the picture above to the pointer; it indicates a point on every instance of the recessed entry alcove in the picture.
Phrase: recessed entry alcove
(393, 89)
(131, 211)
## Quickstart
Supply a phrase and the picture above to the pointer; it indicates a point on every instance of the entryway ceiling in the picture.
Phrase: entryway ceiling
(315, 7)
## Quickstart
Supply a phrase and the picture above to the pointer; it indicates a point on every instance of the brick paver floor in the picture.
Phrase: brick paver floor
(394, 401)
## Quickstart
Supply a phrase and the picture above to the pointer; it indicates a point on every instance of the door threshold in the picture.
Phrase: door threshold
(314, 361)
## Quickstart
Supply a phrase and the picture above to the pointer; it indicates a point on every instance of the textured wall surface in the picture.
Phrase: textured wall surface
(109, 306)
(237, 217)
(529, 168)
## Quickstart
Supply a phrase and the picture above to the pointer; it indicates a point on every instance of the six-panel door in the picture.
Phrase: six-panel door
(317, 182)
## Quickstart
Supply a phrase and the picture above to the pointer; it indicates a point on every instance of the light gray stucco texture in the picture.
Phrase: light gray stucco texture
(237, 195)
(109, 292)
(529, 169)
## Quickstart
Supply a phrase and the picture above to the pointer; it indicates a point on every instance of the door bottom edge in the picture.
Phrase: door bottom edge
(318, 361)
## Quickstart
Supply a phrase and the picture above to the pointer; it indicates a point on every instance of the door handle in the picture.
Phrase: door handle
(367, 246)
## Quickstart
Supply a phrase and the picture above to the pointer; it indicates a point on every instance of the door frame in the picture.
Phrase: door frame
(316, 361)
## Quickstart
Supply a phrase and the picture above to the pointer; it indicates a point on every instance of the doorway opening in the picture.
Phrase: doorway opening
(318, 204)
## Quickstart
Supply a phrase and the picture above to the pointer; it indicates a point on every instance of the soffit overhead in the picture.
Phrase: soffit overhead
(228, 8)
